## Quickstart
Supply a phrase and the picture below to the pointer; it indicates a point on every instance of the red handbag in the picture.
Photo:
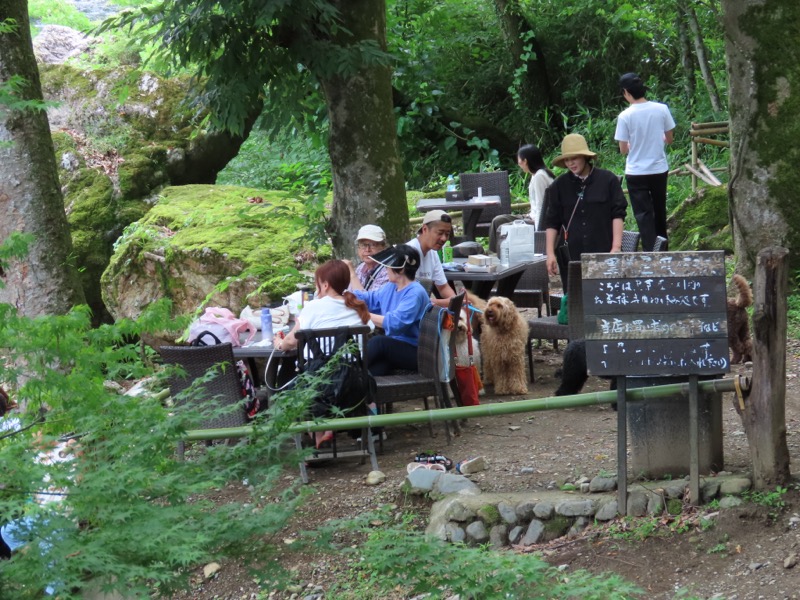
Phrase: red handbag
(468, 379)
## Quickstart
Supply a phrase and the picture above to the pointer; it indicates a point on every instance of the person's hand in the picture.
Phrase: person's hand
(277, 341)
(552, 265)
(616, 249)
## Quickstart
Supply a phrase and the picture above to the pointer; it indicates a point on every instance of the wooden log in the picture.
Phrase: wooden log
(699, 174)
(721, 143)
(709, 125)
(708, 172)
(764, 416)
(709, 131)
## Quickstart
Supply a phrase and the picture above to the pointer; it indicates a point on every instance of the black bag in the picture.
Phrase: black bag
(563, 257)
(346, 385)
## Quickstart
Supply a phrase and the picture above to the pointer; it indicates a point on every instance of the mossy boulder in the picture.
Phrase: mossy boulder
(702, 222)
(120, 136)
(209, 245)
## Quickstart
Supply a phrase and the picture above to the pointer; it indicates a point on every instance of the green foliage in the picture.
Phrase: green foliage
(133, 517)
(771, 500)
(793, 313)
(56, 12)
(14, 247)
(399, 559)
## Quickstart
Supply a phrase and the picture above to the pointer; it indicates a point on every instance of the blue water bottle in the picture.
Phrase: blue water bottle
(266, 323)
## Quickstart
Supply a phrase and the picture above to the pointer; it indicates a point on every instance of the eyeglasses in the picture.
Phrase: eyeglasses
(369, 245)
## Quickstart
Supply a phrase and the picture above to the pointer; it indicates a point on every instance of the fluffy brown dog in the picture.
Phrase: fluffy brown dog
(739, 323)
(503, 340)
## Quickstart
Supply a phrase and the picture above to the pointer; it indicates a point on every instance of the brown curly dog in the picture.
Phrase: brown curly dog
(503, 340)
(739, 323)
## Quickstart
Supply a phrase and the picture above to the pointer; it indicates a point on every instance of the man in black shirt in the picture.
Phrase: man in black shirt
(586, 207)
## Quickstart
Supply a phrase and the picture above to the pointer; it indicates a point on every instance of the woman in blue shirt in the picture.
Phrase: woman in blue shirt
(398, 308)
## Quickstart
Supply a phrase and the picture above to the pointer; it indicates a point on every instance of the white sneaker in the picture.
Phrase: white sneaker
(376, 437)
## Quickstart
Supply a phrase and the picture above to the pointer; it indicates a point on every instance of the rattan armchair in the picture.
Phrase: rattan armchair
(548, 328)
(491, 184)
(428, 381)
(220, 398)
(324, 344)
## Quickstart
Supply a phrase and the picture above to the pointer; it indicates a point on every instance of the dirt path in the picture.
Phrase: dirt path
(742, 556)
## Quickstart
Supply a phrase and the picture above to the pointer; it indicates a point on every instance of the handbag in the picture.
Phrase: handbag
(223, 325)
(563, 256)
(468, 379)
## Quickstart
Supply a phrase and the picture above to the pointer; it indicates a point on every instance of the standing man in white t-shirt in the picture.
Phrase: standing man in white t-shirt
(437, 227)
(643, 129)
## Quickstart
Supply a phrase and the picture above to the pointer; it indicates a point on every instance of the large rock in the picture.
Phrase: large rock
(55, 44)
(120, 136)
(196, 237)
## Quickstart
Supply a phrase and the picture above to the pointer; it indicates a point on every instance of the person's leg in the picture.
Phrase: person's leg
(385, 354)
(658, 192)
(496, 223)
(642, 205)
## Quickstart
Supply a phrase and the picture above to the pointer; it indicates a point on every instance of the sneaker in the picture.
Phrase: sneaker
(438, 459)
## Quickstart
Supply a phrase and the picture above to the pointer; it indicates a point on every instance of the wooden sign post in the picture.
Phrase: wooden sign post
(655, 314)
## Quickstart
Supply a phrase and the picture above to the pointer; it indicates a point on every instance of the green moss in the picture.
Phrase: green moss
(489, 514)
(556, 527)
(674, 506)
(701, 222)
(140, 173)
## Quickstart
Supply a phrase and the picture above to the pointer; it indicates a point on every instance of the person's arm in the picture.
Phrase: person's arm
(552, 263)
(616, 228)
(669, 136)
(376, 319)
(625, 147)
(289, 342)
(446, 293)
(355, 282)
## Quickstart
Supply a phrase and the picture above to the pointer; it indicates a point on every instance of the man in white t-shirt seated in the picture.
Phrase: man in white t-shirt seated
(437, 227)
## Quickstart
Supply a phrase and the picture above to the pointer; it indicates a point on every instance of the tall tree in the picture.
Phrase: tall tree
(45, 282)
(687, 11)
(764, 84)
(255, 48)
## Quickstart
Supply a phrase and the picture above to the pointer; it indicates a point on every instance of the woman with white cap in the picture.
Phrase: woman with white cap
(587, 207)
(368, 275)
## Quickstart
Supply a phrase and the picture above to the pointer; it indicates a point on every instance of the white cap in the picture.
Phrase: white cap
(371, 232)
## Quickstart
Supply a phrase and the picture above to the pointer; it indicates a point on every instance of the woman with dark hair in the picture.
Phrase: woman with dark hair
(332, 306)
(398, 308)
(530, 160)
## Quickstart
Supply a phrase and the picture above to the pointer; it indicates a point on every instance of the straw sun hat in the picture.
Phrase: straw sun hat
(574, 144)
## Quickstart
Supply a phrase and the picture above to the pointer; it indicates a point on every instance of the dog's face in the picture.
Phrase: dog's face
(501, 313)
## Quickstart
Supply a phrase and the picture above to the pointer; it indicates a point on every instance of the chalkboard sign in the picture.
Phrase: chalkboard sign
(655, 313)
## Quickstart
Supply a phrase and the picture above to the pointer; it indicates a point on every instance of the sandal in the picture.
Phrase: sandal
(436, 459)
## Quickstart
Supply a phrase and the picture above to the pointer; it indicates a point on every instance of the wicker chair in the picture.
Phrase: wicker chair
(224, 390)
(427, 381)
(548, 328)
(630, 241)
(323, 343)
(660, 243)
(491, 184)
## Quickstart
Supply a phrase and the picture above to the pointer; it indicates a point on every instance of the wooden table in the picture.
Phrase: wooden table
(481, 284)
(475, 207)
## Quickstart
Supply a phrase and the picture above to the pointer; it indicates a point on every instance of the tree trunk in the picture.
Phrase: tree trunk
(685, 44)
(764, 93)
(368, 182)
(702, 59)
(765, 410)
(536, 83)
(45, 282)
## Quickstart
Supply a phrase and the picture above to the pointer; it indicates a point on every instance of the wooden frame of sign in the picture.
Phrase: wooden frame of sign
(655, 314)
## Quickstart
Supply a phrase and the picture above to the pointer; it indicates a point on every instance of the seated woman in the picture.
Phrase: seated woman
(398, 307)
(333, 306)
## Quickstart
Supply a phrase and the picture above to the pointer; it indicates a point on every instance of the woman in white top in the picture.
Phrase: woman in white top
(530, 160)
(333, 306)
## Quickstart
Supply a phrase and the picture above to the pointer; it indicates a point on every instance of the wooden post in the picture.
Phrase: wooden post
(694, 165)
(764, 415)
(694, 433)
(622, 446)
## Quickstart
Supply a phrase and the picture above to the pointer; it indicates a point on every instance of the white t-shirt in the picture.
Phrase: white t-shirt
(539, 183)
(328, 312)
(643, 126)
(430, 267)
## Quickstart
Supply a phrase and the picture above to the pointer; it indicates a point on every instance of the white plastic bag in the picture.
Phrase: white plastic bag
(517, 242)
(251, 315)
(225, 325)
